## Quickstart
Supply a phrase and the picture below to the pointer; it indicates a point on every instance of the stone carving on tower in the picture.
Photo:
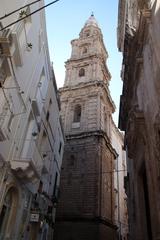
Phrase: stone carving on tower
(86, 206)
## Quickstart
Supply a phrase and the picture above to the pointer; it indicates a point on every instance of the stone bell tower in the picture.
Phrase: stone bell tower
(86, 206)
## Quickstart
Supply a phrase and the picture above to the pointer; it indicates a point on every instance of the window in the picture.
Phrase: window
(60, 147)
(40, 188)
(42, 86)
(87, 33)
(84, 50)
(47, 116)
(77, 113)
(81, 72)
(55, 184)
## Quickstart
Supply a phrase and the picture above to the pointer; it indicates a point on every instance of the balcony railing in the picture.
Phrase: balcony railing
(29, 165)
(5, 42)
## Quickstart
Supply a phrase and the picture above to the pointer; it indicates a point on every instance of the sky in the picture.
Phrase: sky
(65, 20)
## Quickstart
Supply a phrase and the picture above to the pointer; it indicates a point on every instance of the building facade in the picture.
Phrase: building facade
(86, 209)
(31, 138)
(138, 39)
(120, 211)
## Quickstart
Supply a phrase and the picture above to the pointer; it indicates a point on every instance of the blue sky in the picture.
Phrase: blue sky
(64, 21)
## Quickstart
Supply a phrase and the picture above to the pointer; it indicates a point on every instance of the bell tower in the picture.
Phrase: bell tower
(85, 209)
(88, 57)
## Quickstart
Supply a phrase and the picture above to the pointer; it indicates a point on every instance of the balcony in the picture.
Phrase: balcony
(28, 166)
(10, 46)
(5, 43)
(4, 49)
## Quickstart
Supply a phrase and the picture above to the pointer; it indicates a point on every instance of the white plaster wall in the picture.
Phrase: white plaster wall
(28, 76)
(120, 166)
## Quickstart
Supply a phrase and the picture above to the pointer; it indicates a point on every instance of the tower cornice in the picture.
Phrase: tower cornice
(88, 85)
(76, 59)
(97, 133)
(89, 58)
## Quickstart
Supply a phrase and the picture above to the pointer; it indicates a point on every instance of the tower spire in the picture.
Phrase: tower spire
(91, 21)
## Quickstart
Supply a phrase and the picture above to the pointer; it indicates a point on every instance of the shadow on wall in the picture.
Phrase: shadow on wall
(83, 231)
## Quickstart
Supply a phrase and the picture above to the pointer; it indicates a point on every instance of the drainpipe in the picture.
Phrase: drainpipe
(112, 187)
(100, 178)
(119, 222)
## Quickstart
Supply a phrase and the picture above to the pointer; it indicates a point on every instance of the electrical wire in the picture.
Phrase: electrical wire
(27, 5)
(39, 9)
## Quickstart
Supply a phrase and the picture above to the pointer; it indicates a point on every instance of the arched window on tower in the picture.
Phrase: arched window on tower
(87, 33)
(84, 50)
(77, 113)
(81, 72)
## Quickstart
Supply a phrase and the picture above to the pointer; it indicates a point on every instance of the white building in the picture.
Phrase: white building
(31, 138)
(121, 215)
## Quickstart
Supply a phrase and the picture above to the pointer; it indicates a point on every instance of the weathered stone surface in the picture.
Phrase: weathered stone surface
(139, 115)
(86, 206)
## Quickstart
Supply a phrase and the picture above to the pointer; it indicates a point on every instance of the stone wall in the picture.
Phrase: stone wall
(83, 231)
(139, 117)
(79, 181)
(86, 188)
(86, 182)
(96, 109)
